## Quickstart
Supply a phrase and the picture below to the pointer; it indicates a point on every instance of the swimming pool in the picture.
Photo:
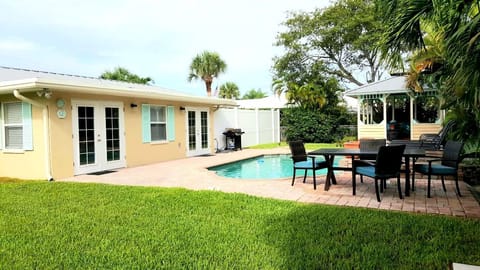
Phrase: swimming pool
(262, 167)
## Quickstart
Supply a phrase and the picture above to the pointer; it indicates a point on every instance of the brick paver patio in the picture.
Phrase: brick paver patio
(191, 173)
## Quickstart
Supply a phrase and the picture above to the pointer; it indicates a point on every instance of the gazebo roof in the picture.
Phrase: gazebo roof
(393, 85)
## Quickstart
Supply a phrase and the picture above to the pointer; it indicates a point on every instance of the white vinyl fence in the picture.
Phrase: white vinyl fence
(260, 125)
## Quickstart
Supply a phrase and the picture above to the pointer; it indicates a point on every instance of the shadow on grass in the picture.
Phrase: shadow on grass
(344, 238)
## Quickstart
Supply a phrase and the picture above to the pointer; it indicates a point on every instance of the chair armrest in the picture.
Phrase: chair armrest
(312, 157)
(429, 137)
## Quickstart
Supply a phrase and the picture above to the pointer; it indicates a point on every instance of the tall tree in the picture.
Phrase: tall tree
(206, 66)
(229, 90)
(342, 37)
(254, 94)
(454, 69)
(123, 74)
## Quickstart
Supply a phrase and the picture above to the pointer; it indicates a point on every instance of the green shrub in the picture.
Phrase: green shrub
(314, 125)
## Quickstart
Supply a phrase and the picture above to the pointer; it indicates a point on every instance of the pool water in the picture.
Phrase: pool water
(262, 167)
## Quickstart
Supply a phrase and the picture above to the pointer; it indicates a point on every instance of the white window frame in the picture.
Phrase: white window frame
(164, 123)
(6, 125)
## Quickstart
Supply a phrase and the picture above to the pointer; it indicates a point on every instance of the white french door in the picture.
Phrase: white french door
(98, 136)
(198, 131)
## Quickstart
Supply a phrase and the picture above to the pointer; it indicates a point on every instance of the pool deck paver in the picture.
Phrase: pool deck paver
(191, 173)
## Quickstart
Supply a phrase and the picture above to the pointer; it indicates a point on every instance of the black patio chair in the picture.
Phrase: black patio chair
(301, 161)
(368, 145)
(387, 165)
(448, 166)
(436, 141)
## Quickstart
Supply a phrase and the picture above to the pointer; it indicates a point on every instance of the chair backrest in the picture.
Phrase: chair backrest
(297, 149)
(442, 134)
(389, 159)
(371, 145)
(451, 153)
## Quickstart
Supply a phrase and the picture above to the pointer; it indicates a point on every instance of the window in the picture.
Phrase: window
(158, 123)
(17, 126)
(371, 111)
(13, 125)
(426, 108)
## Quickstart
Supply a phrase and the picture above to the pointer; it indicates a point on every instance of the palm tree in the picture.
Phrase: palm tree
(457, 24)
(123, 74)
(206, 66)
(229, 90)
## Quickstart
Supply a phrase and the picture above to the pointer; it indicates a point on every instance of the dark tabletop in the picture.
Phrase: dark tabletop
(412, 152)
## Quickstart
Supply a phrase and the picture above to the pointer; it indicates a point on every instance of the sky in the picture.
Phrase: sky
(151, 38)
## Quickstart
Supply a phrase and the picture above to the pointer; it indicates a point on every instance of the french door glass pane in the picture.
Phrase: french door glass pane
(112, 133)
(204, 127)
(192, 143)
(86, 135)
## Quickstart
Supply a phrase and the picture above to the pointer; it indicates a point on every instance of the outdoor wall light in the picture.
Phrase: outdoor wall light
(45, 92)
(133, 105)
(182, 108)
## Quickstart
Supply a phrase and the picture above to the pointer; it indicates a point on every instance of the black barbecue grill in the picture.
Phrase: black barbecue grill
(233, 139)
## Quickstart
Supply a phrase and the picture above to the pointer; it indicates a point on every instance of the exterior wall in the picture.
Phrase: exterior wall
(136, 152)
(61, 131)
(420, 128)
(26, 164)
(377, 131)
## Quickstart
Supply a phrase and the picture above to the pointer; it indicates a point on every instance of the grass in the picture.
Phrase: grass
(55, 225)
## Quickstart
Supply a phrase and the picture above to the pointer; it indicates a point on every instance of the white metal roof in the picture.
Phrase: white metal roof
(393, 85)
(31, 80)
(270, 102)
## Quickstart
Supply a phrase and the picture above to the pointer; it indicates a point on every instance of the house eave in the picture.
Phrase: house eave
(33, 84)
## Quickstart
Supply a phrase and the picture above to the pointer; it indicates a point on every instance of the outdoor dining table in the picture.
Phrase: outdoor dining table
(330, 153)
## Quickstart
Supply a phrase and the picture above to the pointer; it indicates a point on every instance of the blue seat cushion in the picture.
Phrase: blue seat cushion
(370, 172)
(437, 169)
(366, 170)
(308, 164)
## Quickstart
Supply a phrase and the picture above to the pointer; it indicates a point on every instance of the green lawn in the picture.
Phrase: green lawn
(54, 225)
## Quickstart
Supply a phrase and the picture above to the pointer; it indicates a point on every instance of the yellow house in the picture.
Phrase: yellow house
(388, 109)
(57, 125)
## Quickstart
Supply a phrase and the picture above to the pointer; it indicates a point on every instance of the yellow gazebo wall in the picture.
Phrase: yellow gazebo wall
(421, 128)
(377, 131)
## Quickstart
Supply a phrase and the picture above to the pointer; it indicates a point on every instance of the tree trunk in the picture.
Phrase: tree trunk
(208, 84)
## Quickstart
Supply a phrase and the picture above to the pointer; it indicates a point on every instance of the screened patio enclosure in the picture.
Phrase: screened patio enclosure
(387, 109)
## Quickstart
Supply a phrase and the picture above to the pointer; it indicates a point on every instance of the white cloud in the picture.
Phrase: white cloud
(156, 38)
(16, 45)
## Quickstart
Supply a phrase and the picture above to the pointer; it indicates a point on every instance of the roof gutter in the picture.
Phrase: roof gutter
(111, 89)
(46, 130)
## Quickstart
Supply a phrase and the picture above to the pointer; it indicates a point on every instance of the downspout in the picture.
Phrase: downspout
(46, 131)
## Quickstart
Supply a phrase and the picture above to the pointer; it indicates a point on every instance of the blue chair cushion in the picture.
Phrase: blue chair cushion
(370, 172)
(308, 164)
(366, 170)
(437, 169)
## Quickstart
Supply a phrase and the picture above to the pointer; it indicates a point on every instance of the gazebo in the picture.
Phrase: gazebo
(388, 109)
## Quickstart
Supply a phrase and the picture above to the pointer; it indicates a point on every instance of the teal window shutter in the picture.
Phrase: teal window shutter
(146, 134)
(171, 123)
(27, 126)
